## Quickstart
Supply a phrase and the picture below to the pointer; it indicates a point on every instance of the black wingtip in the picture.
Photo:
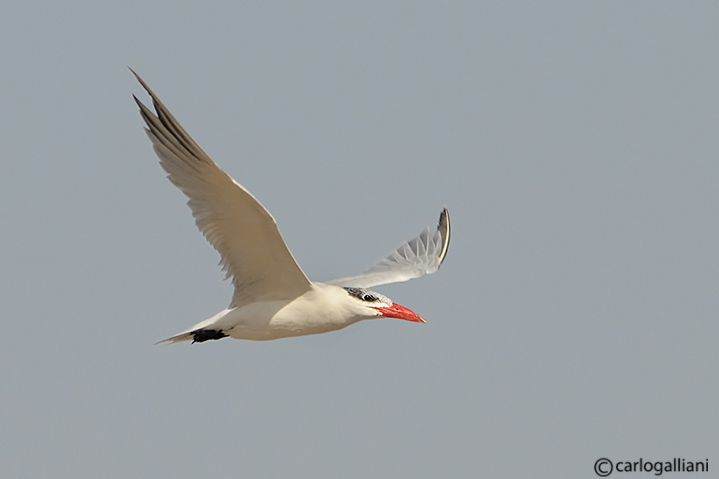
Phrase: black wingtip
(142, 82)
(144, 85)
(444, 229)
(155, 100)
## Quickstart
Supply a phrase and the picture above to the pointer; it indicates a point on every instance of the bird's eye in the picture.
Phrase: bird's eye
(368, 297)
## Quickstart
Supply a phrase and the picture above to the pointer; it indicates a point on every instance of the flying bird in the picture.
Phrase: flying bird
(272, 296)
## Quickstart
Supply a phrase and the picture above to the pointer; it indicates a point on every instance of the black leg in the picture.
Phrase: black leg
(207, 334)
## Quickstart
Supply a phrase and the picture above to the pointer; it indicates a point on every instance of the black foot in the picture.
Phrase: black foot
(207, 334)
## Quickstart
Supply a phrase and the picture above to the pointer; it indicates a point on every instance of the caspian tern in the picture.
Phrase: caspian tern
(272, 296)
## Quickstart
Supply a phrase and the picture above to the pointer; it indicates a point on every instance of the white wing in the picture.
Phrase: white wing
(252, 250)
(417, 257)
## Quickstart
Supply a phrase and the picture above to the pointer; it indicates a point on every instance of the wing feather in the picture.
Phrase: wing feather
(242, 231)
(417, 257)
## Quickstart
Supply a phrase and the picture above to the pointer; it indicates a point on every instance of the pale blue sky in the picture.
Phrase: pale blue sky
(575, 317)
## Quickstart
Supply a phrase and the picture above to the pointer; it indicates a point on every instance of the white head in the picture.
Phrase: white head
(373, 305)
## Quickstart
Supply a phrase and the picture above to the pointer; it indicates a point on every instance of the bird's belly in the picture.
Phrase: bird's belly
(267, 321)
(277, 331)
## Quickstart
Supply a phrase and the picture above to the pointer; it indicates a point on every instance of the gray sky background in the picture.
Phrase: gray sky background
(575, 317)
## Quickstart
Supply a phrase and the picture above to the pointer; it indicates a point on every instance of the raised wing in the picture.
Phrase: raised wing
(417, 257)
(245, 234)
